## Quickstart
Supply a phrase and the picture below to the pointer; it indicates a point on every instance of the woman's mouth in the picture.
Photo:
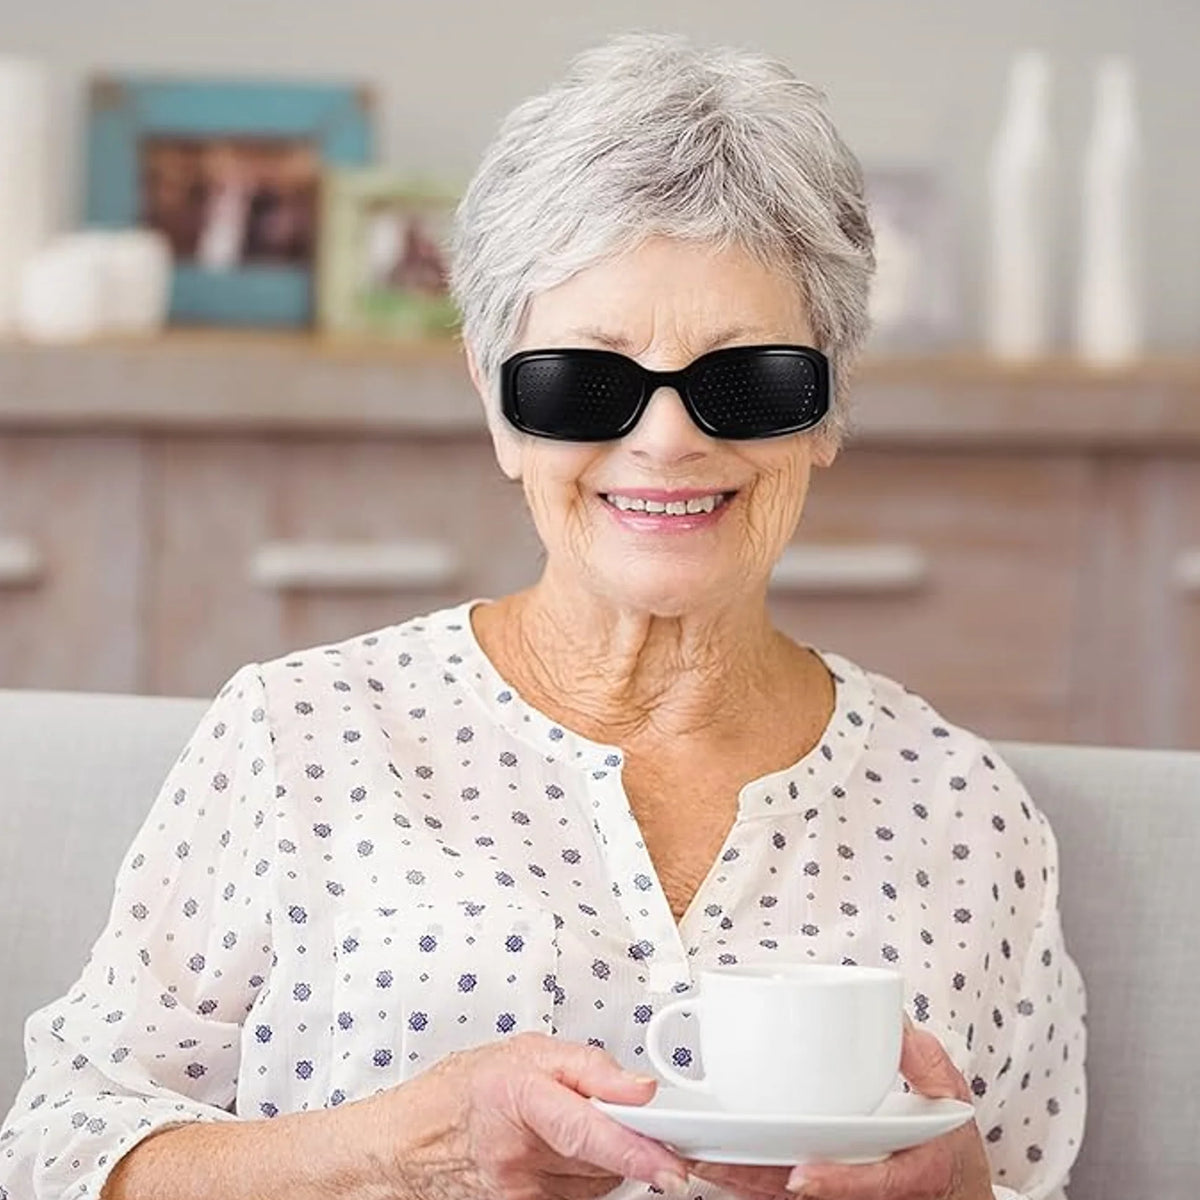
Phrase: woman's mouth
(671, 507)
(664, 512)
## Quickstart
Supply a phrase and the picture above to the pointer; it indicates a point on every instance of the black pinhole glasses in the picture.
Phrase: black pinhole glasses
(737, 393)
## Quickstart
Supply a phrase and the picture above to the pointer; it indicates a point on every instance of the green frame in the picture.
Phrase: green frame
(347, 196)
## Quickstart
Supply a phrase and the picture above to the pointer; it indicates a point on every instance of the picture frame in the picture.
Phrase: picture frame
(230, 171)
(383, 256)
(916, 290)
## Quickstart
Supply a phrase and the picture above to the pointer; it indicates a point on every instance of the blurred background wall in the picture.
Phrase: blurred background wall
(908, 80)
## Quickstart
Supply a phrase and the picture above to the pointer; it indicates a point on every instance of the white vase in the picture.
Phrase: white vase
(62, 292)
(1108, 305)
(24, 168)
(1017, 316)
(96, 282)
(136, 280)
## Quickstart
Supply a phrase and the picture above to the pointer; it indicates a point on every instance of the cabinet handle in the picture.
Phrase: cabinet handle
(1187, 572)
(866, 569)
(353, 566)
(20, 563)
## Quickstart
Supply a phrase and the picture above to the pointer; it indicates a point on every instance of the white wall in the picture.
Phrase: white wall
(907, 80)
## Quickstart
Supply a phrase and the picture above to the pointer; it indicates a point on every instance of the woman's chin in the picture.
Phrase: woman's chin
(676, 593)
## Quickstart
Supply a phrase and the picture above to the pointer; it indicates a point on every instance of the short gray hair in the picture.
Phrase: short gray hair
(648, 134)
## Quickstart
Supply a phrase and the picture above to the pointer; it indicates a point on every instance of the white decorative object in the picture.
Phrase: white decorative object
(24, 164)
(913, 303)
(1108, 310)
(136, 265)
(62, 294)
(1017, 320)
(97, 282)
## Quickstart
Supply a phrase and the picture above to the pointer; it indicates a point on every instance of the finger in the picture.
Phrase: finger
(745, 1181)
(576, 1129)
(589, 1071)
(928, 1170)
(928, 1068)
(583, 1189)
(555, 1165)
(576, 1186)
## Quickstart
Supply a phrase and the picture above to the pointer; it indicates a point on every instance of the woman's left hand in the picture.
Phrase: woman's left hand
(952, 1167)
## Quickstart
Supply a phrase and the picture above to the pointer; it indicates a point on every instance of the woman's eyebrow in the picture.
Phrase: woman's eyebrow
(623, 345)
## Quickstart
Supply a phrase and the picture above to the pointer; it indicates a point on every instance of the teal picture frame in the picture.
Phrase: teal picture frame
(337, 120)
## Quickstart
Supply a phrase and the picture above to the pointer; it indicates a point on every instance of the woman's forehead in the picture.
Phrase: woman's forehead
(669, 292)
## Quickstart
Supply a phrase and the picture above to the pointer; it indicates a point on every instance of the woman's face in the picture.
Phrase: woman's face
(664, 305)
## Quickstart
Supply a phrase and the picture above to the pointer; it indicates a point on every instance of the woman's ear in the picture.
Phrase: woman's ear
(475, 374)
(824, 450)
(505, 441)
(507, 444)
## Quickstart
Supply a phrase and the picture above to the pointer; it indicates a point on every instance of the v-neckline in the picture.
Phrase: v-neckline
(814, 778)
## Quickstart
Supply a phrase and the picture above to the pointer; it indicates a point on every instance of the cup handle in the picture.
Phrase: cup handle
(664, 1068)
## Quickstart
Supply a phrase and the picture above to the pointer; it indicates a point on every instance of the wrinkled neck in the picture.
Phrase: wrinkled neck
(620, 674)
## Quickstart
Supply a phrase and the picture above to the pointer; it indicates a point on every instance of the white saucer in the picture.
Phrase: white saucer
(696, 1128)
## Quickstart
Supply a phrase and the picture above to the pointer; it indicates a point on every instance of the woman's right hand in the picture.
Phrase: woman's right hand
(512, 1121)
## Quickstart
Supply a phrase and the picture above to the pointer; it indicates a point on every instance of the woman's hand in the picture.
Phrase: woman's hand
(952, 1167)
(511, 1121)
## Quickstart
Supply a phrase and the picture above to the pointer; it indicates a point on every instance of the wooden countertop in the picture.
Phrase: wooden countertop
(217, 381)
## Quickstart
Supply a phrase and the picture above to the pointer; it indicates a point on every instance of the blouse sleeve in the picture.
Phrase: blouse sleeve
(149, 1035)
(1026, 1064)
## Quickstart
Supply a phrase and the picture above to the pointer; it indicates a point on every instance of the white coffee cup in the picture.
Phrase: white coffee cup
(813, 1039)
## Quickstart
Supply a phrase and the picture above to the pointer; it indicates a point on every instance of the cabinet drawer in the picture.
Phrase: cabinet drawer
(70, 562)
(959, 577)
(266, 547)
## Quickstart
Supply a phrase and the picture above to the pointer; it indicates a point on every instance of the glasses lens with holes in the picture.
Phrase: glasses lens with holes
(575, 395)
(758, 392)
(741, 392)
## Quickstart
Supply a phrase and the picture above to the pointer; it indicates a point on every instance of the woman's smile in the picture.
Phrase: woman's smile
(659, 510)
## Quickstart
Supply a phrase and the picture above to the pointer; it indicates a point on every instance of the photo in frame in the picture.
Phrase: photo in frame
(915, 293)
(383, 266)
(229, 172)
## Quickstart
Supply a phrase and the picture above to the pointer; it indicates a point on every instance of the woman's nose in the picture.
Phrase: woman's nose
(666, 433)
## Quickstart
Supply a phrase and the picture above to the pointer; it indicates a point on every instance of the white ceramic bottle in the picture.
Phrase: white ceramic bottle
(1017, 315)
(1108, 304)
(24, 177)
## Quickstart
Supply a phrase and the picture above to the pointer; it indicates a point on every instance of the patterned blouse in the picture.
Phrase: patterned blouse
(375, 853)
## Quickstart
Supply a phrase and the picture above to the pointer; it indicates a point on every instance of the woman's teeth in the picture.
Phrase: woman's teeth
(670, 508)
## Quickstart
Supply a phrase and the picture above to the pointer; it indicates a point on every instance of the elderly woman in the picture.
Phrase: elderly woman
(406, 904)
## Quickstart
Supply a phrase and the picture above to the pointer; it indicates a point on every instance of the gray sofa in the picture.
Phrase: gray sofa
(77, 773)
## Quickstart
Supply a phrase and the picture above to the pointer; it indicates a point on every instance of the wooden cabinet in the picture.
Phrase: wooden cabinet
(71, 562)
(1022, 548)
(263, 547)
(1139, 637)
(980, 621)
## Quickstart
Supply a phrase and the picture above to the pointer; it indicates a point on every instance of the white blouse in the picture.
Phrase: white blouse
(374, 853)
